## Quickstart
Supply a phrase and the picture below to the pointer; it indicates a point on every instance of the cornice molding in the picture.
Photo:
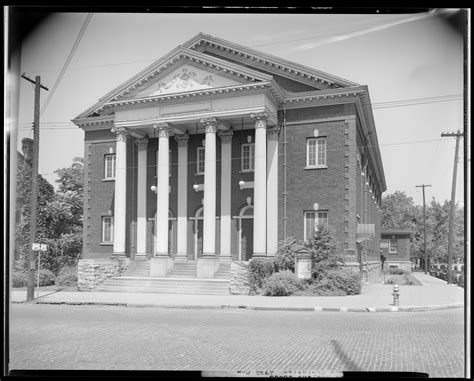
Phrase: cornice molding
(195, 94)
(201, 41)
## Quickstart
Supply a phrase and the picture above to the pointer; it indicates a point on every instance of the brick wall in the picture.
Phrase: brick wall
(335, 188)
(328, 187)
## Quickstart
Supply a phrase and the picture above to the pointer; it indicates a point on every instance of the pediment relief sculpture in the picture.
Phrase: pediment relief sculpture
(184, 81)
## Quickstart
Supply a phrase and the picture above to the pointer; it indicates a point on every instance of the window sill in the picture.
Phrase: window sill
(317, 167)
(109, 179)
(106, 244)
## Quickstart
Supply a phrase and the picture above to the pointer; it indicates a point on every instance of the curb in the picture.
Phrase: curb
(256, 308)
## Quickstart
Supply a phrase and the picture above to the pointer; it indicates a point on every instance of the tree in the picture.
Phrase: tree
(399, 212)
(324, 253)
(23, 205)
(59, 223)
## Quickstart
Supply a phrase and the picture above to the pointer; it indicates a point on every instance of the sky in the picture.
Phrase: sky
(415, 60)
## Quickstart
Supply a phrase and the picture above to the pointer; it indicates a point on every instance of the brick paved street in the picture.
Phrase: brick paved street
(119, 338)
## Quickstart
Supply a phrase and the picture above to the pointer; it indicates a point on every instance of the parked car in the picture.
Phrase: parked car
(443, 272)
(434, 270)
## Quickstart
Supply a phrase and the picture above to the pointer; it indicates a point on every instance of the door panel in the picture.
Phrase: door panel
(199, 238)
(247, 238)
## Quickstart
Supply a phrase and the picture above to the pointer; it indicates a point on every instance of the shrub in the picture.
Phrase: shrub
(323, 249)
(259, 270)
(67, 276)
(19, 279)
(283, 283)
(285, 255)
(46, 278)
(336, 282)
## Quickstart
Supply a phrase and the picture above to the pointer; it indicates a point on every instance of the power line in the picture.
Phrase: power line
(68, 61)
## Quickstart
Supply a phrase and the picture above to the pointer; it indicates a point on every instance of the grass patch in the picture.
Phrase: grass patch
(402, 280)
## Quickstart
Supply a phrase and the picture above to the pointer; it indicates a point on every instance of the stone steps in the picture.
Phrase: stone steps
(183, 270)
(167, 285)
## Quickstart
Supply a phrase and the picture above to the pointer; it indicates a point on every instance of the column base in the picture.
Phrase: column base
(225, 258)
(206, 267)
(118, 255)
(160, 266)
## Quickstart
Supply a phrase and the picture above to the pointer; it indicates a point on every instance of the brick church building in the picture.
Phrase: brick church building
(216, 152)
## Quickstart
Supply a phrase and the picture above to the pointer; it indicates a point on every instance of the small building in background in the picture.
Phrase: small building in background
(395, 248)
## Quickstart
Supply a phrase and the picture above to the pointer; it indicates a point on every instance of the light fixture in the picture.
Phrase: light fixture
(241, 183)
(153, 187)
(109, 212)
(196, 187)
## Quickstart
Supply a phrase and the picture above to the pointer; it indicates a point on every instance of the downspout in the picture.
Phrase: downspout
(285, 193)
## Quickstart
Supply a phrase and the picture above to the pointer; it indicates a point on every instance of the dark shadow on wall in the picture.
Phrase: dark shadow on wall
(349, 365)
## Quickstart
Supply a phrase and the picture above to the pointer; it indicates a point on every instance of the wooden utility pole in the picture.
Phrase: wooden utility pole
(457, 135)
(30, 290)
(424, 225)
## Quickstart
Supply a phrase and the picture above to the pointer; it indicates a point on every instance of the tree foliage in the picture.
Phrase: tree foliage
(399, 212)
(59, 222)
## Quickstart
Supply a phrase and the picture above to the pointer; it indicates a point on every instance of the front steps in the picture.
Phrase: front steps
(180, 280)
(167, 285)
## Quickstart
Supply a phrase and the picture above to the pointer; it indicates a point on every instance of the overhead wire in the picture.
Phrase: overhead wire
(68, 61)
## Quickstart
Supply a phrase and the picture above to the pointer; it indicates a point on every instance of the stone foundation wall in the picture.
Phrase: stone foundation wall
(239, 278)
(93, 272)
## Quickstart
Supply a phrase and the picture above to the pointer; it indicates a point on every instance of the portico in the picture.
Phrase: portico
(218, 132)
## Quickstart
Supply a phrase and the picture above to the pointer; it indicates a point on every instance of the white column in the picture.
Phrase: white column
(182, 247)
(120, 199)
(162, 194)
(260, 186)
(141, 196)
(226, 170)
(272, 191)
(209, 223)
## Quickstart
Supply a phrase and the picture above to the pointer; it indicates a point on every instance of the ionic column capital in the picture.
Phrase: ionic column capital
(260, 119)
(210, 125)
(182, 140)
(272, 133)
(121, 133)
(142, 143)
(226, 136)
(163, 130)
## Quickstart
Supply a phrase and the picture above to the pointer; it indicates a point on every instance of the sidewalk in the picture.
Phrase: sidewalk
(375, 297)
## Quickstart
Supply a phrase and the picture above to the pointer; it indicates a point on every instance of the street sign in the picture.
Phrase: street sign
(44, 247)
(35, 246)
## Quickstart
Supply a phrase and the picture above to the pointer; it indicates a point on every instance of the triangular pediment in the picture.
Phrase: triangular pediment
(291, 76)
(185, 77)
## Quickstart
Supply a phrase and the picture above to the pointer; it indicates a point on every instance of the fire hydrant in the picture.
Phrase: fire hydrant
(396, 295)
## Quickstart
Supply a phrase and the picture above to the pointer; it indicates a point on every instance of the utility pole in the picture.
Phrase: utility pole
(424, 225)
(34, 186)
(457, 135)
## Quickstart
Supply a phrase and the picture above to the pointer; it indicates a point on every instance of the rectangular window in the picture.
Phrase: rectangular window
(316, 152)
(392, 246)
(200, 157)
(247, 157)
(109, 167)
(107, 229)
(313, 219)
